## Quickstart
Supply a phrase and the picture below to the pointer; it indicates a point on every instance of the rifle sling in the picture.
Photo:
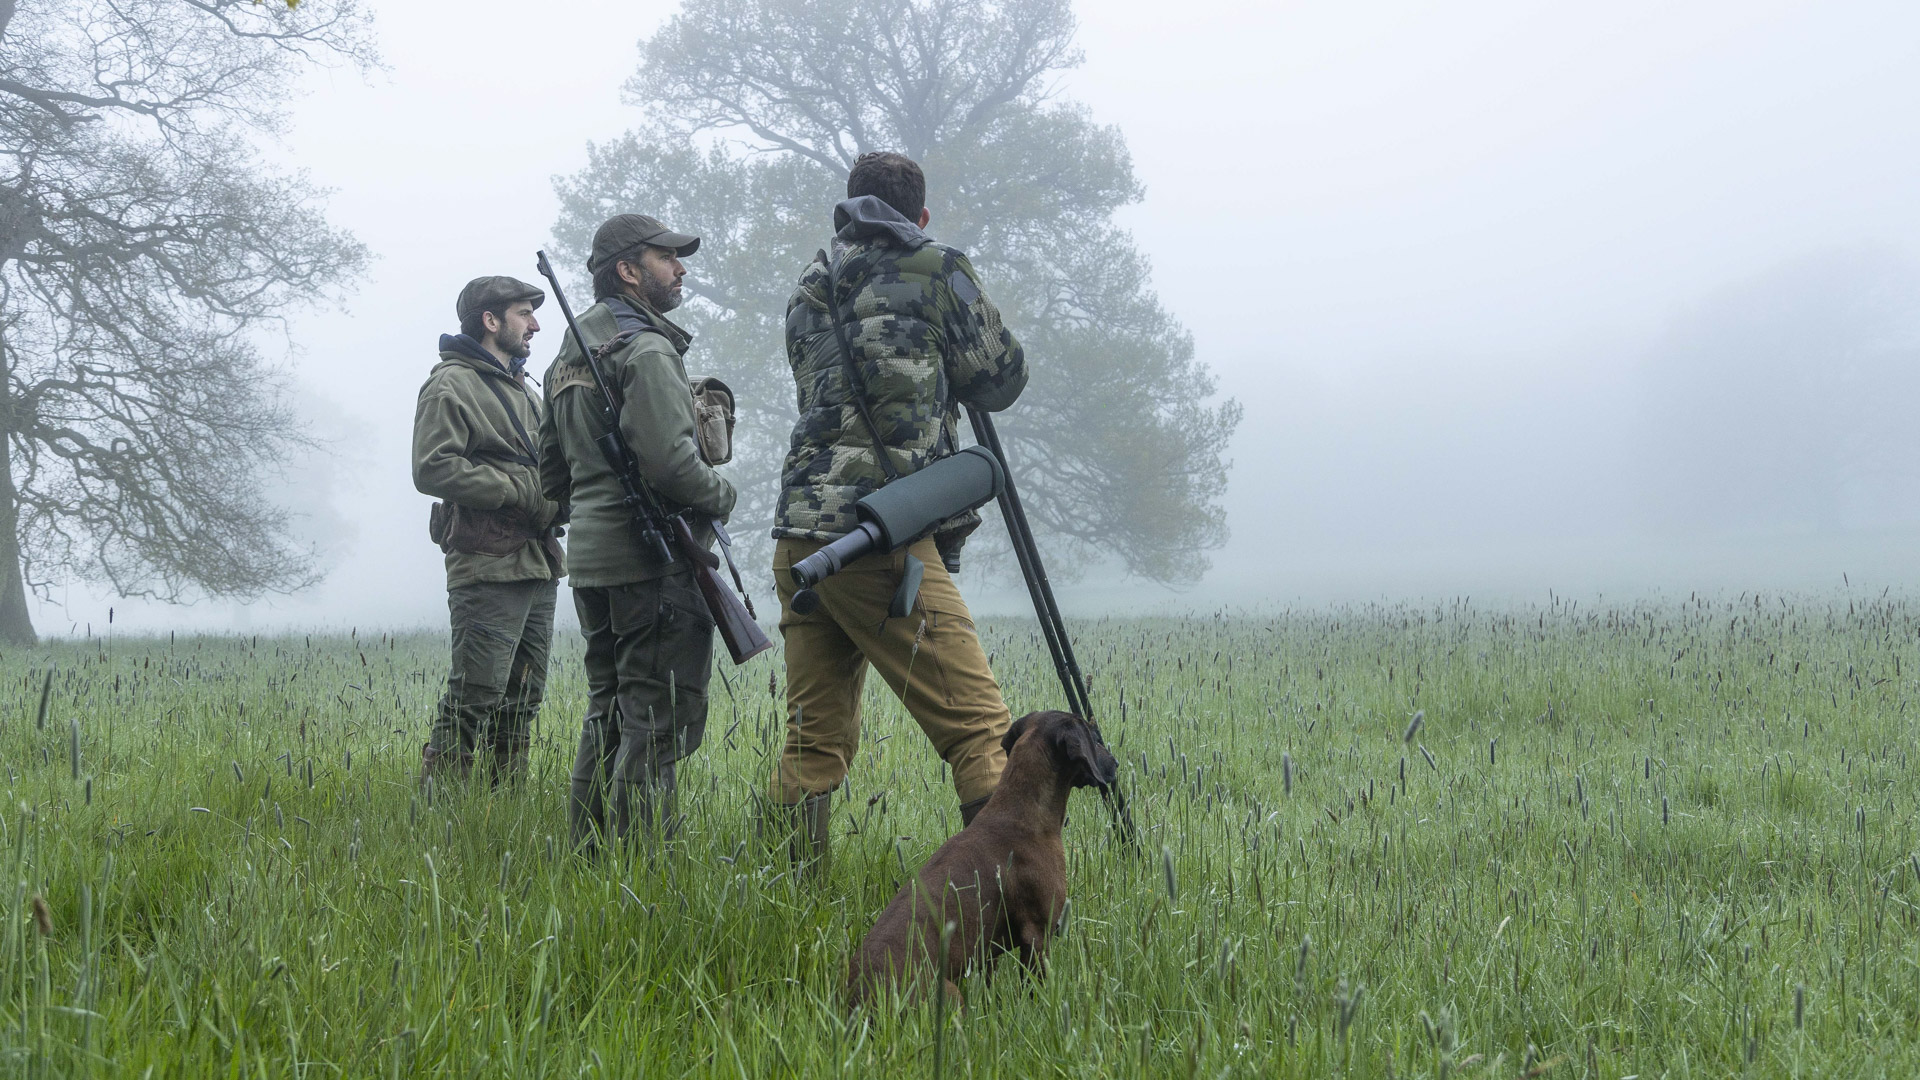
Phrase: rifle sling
(856, 381)
(532, 456)
(630, 323)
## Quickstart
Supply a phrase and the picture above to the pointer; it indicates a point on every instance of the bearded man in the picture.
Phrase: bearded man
(474, 449)
(649, 634)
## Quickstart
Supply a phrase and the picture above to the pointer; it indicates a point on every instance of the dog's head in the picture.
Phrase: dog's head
(1072, 744)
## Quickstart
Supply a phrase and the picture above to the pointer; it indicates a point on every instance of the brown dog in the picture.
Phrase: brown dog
(1002, 881)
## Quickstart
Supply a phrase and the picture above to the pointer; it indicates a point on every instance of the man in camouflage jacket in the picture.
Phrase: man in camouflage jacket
(649, 635)
(474, 448)
(924, 339)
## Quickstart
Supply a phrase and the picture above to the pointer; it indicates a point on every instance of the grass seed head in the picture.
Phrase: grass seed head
(42, 916)
(1413, 728)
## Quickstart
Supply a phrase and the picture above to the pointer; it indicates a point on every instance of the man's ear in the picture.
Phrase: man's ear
(1014, 731)
(491, 323)
(925, 216)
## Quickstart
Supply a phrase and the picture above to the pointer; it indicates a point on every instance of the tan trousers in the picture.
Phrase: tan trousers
(939, 672)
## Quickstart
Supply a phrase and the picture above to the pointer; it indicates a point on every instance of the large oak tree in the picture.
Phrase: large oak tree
(754, 111)
(143, 250)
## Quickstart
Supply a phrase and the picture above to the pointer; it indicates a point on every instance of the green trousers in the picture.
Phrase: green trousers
(649, 655)
(502, 632)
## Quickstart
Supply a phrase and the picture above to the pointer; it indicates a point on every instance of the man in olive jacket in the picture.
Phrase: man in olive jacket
(649, 635)
(474, 448)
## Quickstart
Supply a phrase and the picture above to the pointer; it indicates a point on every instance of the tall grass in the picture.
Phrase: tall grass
(1669, 840)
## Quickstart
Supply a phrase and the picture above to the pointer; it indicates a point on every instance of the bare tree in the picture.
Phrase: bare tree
(143, 248)
(755, 111)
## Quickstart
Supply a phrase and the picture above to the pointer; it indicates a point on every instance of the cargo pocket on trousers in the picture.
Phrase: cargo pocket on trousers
(633, 616)
(940, 664)
(685, 635)
(482, 658)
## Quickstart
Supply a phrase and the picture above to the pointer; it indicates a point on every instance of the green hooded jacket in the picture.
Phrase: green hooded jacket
(649, 377)
(466, 450)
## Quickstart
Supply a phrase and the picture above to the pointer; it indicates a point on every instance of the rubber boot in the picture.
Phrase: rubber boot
(443, 765)
(644, 806)
(508, 764)
(968, 810)
(806, 824)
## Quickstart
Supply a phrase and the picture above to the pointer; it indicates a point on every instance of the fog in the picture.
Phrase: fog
(1517, 297)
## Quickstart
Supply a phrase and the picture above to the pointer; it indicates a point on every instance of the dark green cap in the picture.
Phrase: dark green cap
(493, 292)
(621, 233)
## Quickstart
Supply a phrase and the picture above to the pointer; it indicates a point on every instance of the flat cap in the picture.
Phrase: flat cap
(623, 232)
(493, 292)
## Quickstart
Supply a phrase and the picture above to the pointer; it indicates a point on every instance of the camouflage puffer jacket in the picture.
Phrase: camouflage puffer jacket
(925, 338)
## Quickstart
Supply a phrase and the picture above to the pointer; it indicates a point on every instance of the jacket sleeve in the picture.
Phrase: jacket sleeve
(442, 431)
(656, 417)
(986, 366)
(556, 476)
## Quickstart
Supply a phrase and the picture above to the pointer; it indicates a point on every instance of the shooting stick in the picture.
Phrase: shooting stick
(1052, 626)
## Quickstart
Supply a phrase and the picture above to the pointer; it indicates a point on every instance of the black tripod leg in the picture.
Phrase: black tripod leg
(1035, 575)
(1052, 626)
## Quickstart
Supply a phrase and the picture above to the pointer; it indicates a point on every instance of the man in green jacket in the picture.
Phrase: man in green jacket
(908, 315)
(474, 449)
(649, 636)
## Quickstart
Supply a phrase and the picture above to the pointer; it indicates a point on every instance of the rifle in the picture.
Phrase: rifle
(733, 619)
(1052, 626)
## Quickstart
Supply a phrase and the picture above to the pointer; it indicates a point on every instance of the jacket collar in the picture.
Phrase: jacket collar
(631, 312)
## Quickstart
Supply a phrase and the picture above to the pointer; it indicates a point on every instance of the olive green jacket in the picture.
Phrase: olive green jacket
(464, 451)
(649, 377)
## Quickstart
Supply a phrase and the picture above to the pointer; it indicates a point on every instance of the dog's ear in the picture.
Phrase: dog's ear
(1084, 757)
(1014, 731)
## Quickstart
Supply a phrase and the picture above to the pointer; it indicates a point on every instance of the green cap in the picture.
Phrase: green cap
(493, 292)
(621, 233)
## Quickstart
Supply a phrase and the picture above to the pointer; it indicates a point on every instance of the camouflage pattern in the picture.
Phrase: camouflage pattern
(926, 339)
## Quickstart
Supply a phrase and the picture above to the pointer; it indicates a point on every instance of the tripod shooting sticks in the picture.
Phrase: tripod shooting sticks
(1046, 609)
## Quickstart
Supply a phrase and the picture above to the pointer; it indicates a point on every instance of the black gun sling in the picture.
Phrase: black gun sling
(532, 455)
(912, 570)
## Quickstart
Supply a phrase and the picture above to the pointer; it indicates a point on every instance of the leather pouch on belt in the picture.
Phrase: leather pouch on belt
(479, 532)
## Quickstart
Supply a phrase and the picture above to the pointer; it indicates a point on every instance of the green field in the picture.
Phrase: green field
(1674, 840)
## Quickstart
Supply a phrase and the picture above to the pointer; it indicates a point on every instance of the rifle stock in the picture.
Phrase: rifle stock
(736, 626)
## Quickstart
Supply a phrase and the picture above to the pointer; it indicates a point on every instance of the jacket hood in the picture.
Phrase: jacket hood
(460, 346)
(868, 218)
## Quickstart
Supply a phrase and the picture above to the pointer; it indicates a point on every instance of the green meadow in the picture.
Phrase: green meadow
(1676, 839)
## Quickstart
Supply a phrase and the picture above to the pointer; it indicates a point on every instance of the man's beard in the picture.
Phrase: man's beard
(519, 348)
(658, 294)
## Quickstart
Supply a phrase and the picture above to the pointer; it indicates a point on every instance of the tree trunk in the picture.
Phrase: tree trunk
(16, 624)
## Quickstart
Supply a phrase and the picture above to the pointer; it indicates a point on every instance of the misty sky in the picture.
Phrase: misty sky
(1442, 252)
